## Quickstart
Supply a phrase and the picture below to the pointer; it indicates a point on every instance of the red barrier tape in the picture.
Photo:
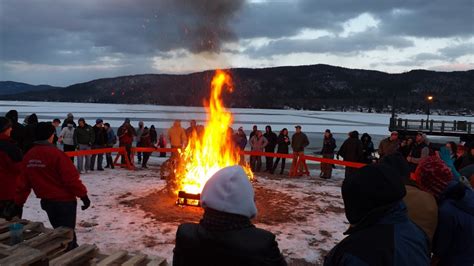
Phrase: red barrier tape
(251, 153)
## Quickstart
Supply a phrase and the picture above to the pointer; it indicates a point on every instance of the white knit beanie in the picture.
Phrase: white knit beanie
(229, 190)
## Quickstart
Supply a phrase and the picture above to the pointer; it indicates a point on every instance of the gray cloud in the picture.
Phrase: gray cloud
(364, 41)
(82, 32)
(459, 50)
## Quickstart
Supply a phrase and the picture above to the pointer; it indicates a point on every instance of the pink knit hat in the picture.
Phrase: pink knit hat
(433, 175)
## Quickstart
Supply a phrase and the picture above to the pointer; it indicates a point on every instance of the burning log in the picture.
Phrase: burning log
(188, 199)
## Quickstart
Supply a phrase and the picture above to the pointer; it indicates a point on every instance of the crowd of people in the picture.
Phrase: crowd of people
(411, 205)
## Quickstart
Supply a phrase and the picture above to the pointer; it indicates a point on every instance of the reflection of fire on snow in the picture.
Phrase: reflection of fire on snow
(205, 153)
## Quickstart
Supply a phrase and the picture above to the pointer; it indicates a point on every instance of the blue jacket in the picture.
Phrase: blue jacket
(111, 137)
(393, 240)
(454, 238)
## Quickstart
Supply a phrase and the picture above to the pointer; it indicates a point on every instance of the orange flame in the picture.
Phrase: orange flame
(205, 154)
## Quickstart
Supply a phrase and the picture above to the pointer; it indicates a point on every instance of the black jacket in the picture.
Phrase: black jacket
(329, 144)
(18, 130)
(30, 133)
(249, 246)
(283, 146)
(100, 136)
(272, 141)
(351, 150)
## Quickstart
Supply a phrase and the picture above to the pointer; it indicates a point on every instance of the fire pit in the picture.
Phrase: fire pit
(209, 151)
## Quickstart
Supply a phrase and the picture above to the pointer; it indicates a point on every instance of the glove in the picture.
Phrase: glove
(86, 202)
(12, 210)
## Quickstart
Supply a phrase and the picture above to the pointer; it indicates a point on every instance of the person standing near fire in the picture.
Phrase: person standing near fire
(84, 137)
(257, 143)
(10, 166)
(272, 142)
(177, 136)
(54, 179)
(299, 141)
(140, 129)
(283, 147)
(125, 133)
(329, 145)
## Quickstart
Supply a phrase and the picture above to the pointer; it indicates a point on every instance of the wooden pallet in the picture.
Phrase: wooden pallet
(44, 246)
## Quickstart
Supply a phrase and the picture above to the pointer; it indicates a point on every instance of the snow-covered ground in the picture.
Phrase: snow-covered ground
(163, 116)
(113, 226)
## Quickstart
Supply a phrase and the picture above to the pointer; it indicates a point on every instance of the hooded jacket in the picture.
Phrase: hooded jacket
(380, 232)
(351, 150)
(10, 167)
(230, 238)
(258, 143)
(272, 140)
(30, 132)
(84, 135)
(67, 135)
(454, 238)
(18, 130)
(52, 177)
(177, 135)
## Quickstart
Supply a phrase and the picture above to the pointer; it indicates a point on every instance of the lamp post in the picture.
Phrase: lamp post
(429, 99)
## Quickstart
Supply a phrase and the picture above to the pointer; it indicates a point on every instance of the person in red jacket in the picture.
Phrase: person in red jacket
(54, 179)
(10, 163)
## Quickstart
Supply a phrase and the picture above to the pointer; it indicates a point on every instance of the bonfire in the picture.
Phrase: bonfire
(211, 150)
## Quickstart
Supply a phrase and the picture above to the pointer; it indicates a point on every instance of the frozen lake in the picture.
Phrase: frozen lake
(312, 122)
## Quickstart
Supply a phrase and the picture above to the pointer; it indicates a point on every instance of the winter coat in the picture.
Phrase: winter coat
(329, 145)
(125, 133)
(418, 152)
(283, 146)
(258, 144)
(30, 132)
(272, 141)
(52, 177)
(100, 136)
(177, 136)
(240, 140)
(351, 150)
(162, 142)
(68, 121)
(153, 136)
(367, 148)
(18, 130)
(388, 146)
(252, 134)
(453, 242)
(392, 240)
(465, 161)
(111, 137)
(84, 135)
(145, 139)
(422, 210)
(139, 133)
(299, 141)
(10, 167)
(195, 245)
(67, 135)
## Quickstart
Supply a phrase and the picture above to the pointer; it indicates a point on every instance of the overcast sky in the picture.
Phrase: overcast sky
(70, 41)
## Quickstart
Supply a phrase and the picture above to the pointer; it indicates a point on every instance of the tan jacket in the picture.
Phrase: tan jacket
(177, 136)
(422, 210)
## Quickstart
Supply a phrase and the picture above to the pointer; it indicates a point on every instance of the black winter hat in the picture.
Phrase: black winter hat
(5, 124)
(370, 189)
(12, 115)
(44, 130)
(400, 165)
